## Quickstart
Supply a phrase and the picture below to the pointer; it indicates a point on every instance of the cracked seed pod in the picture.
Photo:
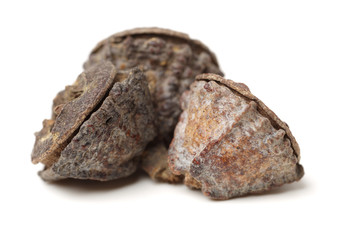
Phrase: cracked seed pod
(99, 126)
(230, 143)
(170, 60)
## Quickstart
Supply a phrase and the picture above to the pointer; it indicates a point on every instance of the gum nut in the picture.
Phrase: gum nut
(170, 60)
(231, 142)
(101, 129)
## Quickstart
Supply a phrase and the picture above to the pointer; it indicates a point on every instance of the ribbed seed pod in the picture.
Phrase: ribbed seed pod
(229, 143)
(99, 126)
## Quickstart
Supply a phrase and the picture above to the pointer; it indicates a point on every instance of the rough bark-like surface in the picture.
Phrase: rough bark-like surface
(91, 87)
(106, 144)
(230, 142)
(170, 60)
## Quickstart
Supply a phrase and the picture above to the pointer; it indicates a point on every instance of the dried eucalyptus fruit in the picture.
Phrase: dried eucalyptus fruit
(99, 126)
(230, 143)
(170, 60)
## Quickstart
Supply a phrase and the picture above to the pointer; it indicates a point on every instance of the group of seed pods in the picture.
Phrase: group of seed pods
(156, 99)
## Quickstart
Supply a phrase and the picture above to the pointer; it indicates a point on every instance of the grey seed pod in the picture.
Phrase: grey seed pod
(100, 125)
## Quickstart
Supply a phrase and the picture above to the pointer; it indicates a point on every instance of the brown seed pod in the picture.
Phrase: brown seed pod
(170, 60)
(100, 125)
(231, 142)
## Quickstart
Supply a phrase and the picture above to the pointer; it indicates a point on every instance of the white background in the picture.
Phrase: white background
(285, 51)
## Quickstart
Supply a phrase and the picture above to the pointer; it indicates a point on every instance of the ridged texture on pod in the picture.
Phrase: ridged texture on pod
(230, 143)
(107, 141)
